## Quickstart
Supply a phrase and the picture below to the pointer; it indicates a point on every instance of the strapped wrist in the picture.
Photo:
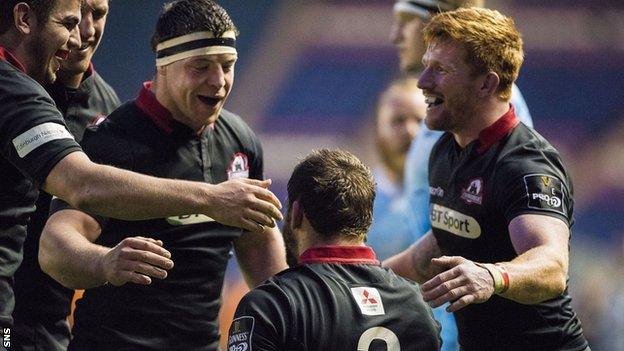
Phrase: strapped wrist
(505, 276)
(501, 283)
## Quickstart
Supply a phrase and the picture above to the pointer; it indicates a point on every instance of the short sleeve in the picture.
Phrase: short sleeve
(535, 184)
(260, 320)
(256, 166)
(33, 135)
(58, 204)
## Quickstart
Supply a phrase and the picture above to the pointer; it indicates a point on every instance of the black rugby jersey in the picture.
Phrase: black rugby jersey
(337, 298)
(179, 312)
(475, 192)
(33, 138)
(38, 297)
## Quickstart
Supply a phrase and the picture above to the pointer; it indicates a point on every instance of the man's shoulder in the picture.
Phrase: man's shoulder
(23, 101)
(14, 83)
(525, 145)
(528, 155)
(123, 117)
(235, 123)
(114, 133)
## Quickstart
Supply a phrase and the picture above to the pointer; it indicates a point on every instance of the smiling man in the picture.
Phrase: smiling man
(501, 197)
(83, 97)
(410, 17)
(175, 128)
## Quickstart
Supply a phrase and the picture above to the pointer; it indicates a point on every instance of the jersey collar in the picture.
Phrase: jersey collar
(339, 254)
(8, 56)
(490, 135)
(147, 102)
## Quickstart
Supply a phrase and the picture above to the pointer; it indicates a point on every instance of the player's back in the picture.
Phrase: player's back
(335, 306)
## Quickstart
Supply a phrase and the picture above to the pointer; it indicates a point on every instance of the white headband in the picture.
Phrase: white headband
(422, 8)
(195, 44)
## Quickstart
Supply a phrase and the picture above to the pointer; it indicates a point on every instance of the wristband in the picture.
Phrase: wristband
(505, 276)
(497, 277)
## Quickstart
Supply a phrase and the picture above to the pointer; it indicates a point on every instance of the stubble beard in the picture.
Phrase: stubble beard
(290, 243)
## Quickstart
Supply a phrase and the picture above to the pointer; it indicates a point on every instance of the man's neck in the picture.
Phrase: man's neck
(70, 80)
(480, 120)
(310, 238)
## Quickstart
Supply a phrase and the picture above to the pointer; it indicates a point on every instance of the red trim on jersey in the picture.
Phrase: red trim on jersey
(339, 254)
(147, 102)
(8, 56)
(490, 135)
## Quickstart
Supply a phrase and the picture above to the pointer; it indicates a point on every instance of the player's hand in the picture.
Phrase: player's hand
(245, 203)
(461, 283)
(136, 260)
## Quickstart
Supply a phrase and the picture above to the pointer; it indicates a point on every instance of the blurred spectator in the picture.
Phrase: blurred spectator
(400, 111)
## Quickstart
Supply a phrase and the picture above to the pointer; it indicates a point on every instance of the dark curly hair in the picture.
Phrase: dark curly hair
(336, 191)
(181, 17)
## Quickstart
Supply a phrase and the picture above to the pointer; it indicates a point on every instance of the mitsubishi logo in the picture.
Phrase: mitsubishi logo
(367, 299)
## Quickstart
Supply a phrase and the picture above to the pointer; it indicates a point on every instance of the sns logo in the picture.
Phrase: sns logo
(551, 200)
(6, 337)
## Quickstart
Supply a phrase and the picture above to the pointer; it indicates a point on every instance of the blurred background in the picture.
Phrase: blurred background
(310, 72)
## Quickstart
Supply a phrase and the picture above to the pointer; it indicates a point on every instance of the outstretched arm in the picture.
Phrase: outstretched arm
(122, 194)
(68, 254)
(537, 274)
(260, 255)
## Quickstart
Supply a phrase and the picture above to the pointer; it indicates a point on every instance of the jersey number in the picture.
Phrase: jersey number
(380, 333)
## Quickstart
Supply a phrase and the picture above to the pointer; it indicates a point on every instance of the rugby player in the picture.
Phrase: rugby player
(501, 197)
(83, 97)
(336, 296)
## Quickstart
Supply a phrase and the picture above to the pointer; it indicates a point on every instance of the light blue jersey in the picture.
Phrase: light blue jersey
(390, 231)
(417, 192)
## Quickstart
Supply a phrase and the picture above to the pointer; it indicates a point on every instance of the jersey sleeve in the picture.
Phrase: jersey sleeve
(260, 320)
(58, 204)
(535, 183)
(33, 135)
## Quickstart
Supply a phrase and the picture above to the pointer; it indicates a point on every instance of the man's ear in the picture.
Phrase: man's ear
(24, 18)
(297, 215)
(489, 84)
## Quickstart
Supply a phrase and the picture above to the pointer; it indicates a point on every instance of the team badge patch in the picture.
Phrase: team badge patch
(240, 334)
(545, 192)
(239, 166)
(473, 193)
(39, 135)
(369, 301)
